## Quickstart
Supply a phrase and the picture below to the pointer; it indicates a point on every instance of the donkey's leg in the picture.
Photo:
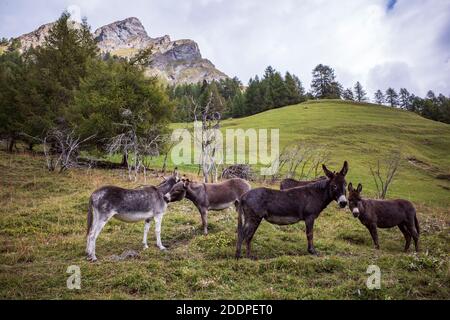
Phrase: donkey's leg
(249, 232)
(374, 233)
(406, 234)
(100, 220)
(146, 229)
(158, 221)
(309, 222)
(204, 214)
(240, 239)
(90, 243)
(240, 232)
(413, 231)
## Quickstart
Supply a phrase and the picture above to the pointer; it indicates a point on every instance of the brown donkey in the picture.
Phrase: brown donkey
(209, 196)
(385, 214)
(289, 207)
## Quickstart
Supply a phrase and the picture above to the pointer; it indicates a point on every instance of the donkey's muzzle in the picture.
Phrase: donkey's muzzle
(342, 201)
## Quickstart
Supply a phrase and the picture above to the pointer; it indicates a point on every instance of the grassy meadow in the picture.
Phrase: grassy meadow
(43, 224)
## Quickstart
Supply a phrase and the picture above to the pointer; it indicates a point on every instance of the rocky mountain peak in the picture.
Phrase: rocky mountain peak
(175, 62)
(122, 34)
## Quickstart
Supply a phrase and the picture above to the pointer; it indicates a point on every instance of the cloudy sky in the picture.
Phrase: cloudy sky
(403, 43)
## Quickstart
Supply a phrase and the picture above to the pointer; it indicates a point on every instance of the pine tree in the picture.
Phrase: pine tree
(12, 75)
(238, 105)
(59, 65)
(294, 89)
(360, 94)
(379, 97)
(392, 97)
(405, 99)
(278, 90)
(254, 99)
(114, 92)
(324, 84)
(348, 95)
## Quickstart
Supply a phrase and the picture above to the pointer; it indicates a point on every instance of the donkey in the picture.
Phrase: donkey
(289, 206)
(385, 214)
(292, 183)
(209, 196)
(128, 205)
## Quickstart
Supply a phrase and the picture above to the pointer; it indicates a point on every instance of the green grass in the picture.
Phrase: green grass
(43, 225)
(42, 232)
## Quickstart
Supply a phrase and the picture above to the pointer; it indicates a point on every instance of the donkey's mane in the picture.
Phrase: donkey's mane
(321, 184)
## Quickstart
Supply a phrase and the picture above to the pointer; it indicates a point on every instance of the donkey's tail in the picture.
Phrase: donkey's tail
(90, 216)
(416, 222)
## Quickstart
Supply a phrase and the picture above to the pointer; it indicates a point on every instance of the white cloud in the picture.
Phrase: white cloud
(404, 47)
(75, 12)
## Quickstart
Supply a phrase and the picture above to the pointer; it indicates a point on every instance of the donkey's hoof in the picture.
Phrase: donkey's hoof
(162, 248)
(92, 258)
(313, 252)
(145, 247)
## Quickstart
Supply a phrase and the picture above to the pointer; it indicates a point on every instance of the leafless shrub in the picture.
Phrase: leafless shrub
(301, 161)
(242, 171)
(61, 148)
(137, 149)
(208, 140)
(383, 173)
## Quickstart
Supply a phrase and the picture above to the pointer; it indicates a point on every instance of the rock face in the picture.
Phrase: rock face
(125, 34)
(174, 62)
(37, 37)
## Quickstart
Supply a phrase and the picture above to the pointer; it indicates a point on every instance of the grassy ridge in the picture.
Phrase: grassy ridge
(362, 134)
(43, 225)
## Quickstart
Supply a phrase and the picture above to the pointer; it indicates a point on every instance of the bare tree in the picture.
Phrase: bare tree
(135, 148)
(383, 173)
(209, 138)
(61, 148)
(301, 161)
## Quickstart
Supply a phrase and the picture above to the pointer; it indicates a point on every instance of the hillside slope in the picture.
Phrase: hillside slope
(363, 133)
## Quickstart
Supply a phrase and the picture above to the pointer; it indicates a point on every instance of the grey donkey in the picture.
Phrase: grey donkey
(128, 205)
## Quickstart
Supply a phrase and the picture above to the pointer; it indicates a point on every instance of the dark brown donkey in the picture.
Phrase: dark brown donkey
(292, 183)
(385, 214)
(289, 206)
(209, 196)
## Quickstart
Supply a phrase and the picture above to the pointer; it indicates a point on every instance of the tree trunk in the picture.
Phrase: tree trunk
(11, 144)
(124, 162)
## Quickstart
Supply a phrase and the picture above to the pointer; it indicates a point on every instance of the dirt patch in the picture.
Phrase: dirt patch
(419, 163)
(443, 177)
(127, 254)
(429, 168)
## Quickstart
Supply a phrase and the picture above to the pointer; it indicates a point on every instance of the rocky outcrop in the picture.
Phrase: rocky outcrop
(37, 37)
(174, 62)
(125, 34)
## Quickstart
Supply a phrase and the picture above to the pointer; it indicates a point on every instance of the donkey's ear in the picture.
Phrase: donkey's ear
(328, 173)
(359, 188)
(344, 169)
(350, 187)
(175, 172)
